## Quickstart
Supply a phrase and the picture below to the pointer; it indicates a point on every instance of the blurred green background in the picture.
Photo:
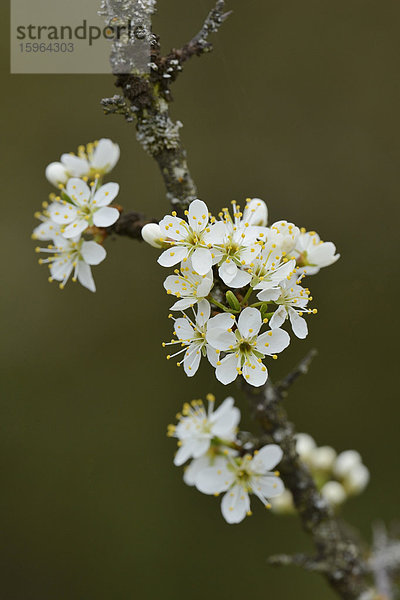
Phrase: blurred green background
(299, 105)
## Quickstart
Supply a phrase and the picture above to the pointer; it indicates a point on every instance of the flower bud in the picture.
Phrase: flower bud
(232, 300)
(283, 504)
(256, 212)
(345, 462)
(305, 445)
(56, 173)
(322, 458)
(334, 493)
(356, 479)
(151, 233)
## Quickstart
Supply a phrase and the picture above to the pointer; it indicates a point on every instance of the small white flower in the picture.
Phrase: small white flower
(356, 480)
(241, 476)
(197, 428)
(334, 493)
(305, 445)
(284, 235)
(346, 461)
(283, 504)
(188, 239)
(56, 174)
(312, 253)
(73, 256)
(95, 159)
(349, 469)
(322, 458)
(245, 348)
(188, 286)
(292, 303)
(269, 269)
(255, 212)
(151, 233)
(192, 337)
(85, 207)
(236, 244)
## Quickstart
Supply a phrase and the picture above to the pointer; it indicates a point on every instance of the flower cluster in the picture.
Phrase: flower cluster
(338, 476)
(242, 281)
(73, 219)
(220, 463)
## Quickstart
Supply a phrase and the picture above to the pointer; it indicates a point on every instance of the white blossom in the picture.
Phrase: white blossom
(189, 238)
(236, 244)
(198, 428)
(244, 347)
(349, 469)
(192, 337)
(241, 476)
(57, 174)
(255, 212)
(322, 458)
(83, 207)
(95, 159)
(292, 303)
(334, 493)
(356, 479)
(284, 235)
(151, 233)
(312, 253)
(73, 257)
(268, 270)
(305, 445)
(188, 286)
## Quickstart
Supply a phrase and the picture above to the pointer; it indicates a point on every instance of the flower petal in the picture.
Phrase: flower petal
(202, 261)
(106, 216)
(241, 279)
(273, 342)
(254, 372)
(299, 325)
(235, 504)
(198, 215)
(227, 271)
(203, 313)
(76, 167)
(75, 228)
(226, 371)
(106, 194)
(93, 253)
(105, 155)
(267, 458)
(78, 191)
(192, 359)
(192, 471)
(183, 329)
(173, 228)
(62, 214)
(85, 276)
(172, 256)
(278, 318)
(249, 323)
(215, 479)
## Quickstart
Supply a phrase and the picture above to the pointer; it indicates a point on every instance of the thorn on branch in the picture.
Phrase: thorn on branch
(308, 563)
(117, 105)
(200, 44)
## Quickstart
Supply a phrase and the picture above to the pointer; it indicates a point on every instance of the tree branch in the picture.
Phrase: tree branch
(338, 557)
(130, 225)
(146, 97)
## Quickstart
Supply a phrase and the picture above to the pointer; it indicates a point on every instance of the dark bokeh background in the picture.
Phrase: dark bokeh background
(298, 105)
